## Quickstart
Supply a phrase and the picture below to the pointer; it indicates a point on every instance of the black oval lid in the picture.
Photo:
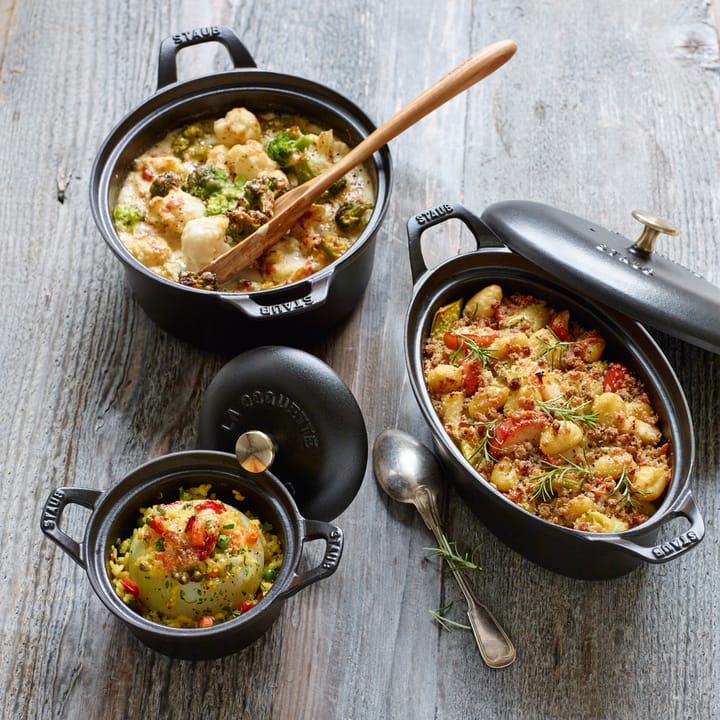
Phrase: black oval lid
(308, 411)
(609, 268)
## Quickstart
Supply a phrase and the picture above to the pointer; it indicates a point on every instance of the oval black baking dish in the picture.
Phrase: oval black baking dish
(561, 549)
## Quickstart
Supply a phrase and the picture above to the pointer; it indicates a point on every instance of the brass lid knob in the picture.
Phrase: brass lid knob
(653, 227)
(255, 451)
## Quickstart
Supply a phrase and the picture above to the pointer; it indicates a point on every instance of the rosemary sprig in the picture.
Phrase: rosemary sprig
(475, 350)
(484, 448)
(551, 347)
(555, 408)
(449, 552)
(625, 490)
(446, 623)
(544, 489)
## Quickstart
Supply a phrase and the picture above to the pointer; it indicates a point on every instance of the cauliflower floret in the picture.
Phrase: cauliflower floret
(150, 250)
(238, 126)
(217, 157)
(203, 239)
(159, 164)
(173, 211)
(248, 160)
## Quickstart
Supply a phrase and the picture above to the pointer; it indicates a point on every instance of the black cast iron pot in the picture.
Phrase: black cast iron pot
(235, 321)
(564, 550)
(114, 515)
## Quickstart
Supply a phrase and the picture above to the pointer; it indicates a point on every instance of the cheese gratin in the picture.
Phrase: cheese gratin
(526, 394)
(205, 187)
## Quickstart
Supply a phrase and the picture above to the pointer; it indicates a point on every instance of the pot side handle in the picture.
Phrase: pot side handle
(283, 302)
(169, 48)
(333, 537)
(685, 507)
(417, 225)
(53, 510)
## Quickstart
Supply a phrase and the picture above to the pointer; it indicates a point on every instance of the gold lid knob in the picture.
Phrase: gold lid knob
(653, 227)
(255, 451)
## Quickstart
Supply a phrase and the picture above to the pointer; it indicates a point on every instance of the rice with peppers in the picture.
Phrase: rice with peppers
(195, 562)
(526, 394)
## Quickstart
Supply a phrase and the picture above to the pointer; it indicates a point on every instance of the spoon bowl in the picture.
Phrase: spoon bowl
(403, 466)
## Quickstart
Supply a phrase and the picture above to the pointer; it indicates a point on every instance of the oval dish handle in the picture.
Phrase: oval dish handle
(53, 510)
(662, 552)
(307, 295)
(169, 48)
(333, 536)
(417, 225)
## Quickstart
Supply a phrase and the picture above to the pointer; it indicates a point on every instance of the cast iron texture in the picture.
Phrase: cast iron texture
(605, 265)
(563, 550)
(115, 513)
(292, 314)
(309, 413)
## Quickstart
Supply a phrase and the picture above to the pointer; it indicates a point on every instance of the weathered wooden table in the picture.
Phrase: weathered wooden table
(605, 108)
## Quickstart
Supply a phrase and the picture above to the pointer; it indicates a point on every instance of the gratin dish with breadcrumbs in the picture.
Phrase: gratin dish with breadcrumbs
(530, 399)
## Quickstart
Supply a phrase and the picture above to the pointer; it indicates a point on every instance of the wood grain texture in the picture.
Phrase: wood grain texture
(605, 108)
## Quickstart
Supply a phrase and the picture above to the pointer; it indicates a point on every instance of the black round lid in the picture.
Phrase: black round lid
(606, 266)
(314, 422)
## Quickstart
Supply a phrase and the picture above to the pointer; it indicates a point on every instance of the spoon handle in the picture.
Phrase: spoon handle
(495, 646)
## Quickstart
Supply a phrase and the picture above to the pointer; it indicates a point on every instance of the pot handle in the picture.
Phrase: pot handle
(685, 507)
(169, 48)
(417, 225)
(333, 537)
(283, 302)
(53, 510)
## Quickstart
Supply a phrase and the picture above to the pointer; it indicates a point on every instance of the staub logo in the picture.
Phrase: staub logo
(196, 35)
(433, 214)
(625, 259)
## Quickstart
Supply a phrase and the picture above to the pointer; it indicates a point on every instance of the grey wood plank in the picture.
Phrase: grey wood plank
(604, 109)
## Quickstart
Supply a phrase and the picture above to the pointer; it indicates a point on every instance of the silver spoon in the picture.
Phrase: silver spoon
(407, 471)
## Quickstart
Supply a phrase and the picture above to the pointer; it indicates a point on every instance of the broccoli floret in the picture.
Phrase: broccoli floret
(204, 281)
(125, 216)
(162, 184)
(350, 215)
(334, 190)
(205, 181)
(190, 144)
(287, 150)
(243, 223)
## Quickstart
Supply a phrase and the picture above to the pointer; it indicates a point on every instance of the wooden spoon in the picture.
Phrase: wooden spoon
(289, 207)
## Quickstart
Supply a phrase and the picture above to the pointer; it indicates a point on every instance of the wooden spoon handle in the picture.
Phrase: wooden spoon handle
(292, 205)
(465, 75)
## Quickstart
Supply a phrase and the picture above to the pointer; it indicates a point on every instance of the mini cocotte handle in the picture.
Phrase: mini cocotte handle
(57, 501)
(169, 48)
(333, 536)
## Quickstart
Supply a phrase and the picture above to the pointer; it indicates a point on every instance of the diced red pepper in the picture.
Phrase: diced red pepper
(251, 535)
(453, 341)
(147, 173)
(130, 586)
(471, 376)
(157, 523)
(214, 505)
(246, 605)
(560, 325)
(516, 430)
(616, 376)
